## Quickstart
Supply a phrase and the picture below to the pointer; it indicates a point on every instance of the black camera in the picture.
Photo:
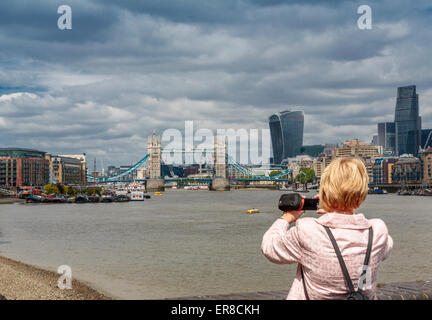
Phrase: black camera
(295, 202)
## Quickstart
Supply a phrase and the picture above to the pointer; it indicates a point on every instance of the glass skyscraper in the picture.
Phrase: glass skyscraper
(426, 138)
(386, 137)
(286, 130)
(407, 121)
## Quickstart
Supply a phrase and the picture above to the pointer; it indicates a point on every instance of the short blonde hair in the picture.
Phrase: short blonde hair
(344, 185)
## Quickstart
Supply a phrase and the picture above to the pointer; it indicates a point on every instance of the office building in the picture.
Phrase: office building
(83, 163)
(355, 148)
(407, 121)
(386, 137)
(320, 164)
(426, 138)
(286, 130)
(382, 169)
(407, 170)
(23, 167)
(426, 158)
(313, 150)
(276, 138)
(66, 170)
(364, 151)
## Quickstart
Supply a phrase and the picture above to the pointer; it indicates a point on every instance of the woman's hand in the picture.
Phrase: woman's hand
(292, 216)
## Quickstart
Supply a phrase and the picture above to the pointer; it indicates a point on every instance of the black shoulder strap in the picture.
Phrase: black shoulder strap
(369, 247)
(368, 253)
(341, 261)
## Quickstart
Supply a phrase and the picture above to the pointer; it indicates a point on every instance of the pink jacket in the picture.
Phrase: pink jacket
(308, 244)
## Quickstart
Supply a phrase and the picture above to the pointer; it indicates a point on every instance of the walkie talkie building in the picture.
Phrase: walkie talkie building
(286, 130)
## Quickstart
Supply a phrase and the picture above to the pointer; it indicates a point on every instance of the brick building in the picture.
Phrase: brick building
(426, 158)
(407, 170)
(23, 167)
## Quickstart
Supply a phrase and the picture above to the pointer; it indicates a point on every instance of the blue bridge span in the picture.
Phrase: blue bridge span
(242, 173)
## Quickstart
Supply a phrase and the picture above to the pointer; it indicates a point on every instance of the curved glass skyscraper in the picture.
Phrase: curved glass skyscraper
(286, 130)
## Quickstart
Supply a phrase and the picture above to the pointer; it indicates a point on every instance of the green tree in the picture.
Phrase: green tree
(60, 188)
(89, 191)
(71, 191)
(305, 175)
(50, 188)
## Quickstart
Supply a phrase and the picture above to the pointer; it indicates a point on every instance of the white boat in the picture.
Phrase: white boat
(121, 192)
(137, 196)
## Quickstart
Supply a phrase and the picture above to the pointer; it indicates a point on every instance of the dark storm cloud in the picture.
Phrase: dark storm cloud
(128, 67)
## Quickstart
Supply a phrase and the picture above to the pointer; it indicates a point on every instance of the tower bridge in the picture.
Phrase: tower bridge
(219, 181)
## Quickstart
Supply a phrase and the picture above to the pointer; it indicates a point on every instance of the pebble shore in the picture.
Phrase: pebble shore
(19, 281)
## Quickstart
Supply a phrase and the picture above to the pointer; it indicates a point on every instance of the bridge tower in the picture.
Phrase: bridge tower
(220, 181)
(155, 182)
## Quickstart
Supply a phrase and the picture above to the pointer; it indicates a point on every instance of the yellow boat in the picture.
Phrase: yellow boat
(252, 211)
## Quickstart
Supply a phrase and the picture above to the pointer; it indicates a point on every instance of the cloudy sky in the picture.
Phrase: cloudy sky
(128, 67)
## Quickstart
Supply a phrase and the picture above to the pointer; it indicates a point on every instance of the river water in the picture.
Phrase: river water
(190, 242)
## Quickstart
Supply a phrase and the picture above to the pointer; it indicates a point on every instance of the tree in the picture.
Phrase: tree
(60, 188)
(305, 175)
(89, 191)
(71, 191)
(50, 188)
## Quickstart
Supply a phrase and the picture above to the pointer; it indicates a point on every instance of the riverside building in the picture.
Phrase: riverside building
(407, 170)
(382, 169)
(426, 158)
(23, 167)
(67, 170)
(83, 163)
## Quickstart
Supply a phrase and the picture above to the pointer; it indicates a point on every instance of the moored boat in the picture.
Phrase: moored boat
(377, 190)
(404, 193)
(121, 198)
(81, 199)
(94, 198)
(137, 196)
(33, 199)
(107, 199)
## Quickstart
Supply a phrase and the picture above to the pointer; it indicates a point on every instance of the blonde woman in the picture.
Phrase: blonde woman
(344, 186)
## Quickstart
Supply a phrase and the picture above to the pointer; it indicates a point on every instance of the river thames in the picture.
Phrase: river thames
(189, 243)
